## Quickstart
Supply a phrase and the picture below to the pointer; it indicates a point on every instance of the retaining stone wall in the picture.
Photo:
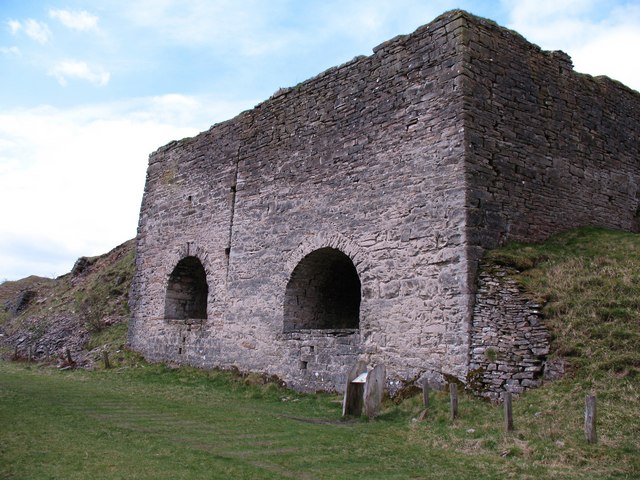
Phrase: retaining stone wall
(509, 341)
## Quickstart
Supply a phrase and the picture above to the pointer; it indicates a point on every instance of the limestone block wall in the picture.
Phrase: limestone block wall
(186, 212)
(548, 149)
(343, 219)
(366, 160)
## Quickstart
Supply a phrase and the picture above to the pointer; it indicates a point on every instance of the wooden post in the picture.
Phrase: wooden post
(15, 353)
(69, 359)
(425, 393)
(373, 390)
(29, 354)
(105, 358)
(453, 391)
(590, 419)
(508, 412)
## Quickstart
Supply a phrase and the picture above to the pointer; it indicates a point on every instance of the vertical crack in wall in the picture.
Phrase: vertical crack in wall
(234, 187)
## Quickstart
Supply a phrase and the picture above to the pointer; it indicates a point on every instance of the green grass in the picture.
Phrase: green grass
(144, 421)
(157, 422)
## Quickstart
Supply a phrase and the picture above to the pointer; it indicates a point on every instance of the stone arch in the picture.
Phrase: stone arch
(333, 240)
(187, 291)
(323, 292)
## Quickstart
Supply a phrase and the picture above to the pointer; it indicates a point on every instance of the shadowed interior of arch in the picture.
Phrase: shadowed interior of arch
(323, 293)
(187, 291)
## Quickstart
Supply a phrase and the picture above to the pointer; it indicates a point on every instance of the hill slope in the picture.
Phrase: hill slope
(50, 316)
(589, 283)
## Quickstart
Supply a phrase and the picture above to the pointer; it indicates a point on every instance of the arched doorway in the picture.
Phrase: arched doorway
(323, 293)
(187, 291)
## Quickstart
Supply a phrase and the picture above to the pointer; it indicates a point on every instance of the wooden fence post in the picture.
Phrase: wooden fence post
(590, 419)
(373, 390)
(29, 354)
(105, 358)
(69, 359)
(508, 412)
(425, 393)
(453, 392)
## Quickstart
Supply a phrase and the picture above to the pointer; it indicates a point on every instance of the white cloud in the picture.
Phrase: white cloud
(14, 26)
(526, 11)
(551, 23)
(10, 51)
(72, 69)
(377, 20)
(81, 20)
(228, 25)
(259, 28)
(37, 31)
(608, 54)
(34, 29)
(72, 180)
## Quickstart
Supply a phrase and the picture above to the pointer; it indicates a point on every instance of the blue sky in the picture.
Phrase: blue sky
(89, 88)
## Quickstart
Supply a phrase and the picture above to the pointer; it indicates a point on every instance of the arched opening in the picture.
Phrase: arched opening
(323, 293)
(187, 291)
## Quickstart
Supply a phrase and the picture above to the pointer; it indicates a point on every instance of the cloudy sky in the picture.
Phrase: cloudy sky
(89, 88)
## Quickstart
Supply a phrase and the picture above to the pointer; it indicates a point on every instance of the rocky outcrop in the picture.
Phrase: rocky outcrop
(18, 304)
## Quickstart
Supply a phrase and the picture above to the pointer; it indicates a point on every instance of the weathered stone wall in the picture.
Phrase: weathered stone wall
(367, 159)
(187, 198)
(509, 341)
(547, 149)
(405, 165)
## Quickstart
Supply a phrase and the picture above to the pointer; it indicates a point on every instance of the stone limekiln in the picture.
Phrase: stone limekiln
(344, 219)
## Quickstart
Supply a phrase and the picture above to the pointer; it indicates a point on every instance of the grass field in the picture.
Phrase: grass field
(154, 422)
(141, 421)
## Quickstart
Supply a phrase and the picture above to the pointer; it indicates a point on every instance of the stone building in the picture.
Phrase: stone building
(344, 219)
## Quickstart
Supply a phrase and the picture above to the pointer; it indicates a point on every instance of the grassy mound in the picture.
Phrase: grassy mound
(589, 281)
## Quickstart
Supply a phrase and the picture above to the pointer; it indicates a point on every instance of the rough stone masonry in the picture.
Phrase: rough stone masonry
(344, 219)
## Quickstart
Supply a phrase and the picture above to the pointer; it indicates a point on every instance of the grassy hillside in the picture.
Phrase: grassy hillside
(152, 421)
